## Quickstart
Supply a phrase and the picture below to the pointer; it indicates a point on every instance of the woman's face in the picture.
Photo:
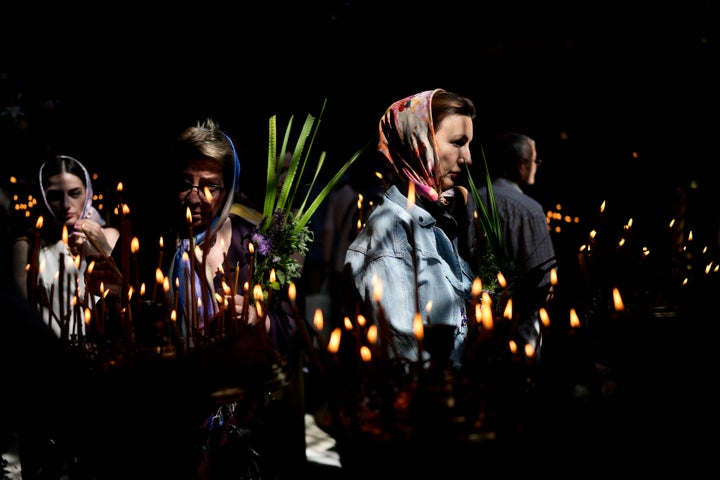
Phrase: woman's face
(453, 137)
(65, 194)
(202, 191)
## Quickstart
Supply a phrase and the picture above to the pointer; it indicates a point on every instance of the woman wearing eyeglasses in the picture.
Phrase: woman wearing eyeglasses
(206, 182)
(212, 254)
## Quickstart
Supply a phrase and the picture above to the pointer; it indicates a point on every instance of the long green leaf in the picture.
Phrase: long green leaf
(289, 184)
(488, 215)
(272, 178)
(305, 218)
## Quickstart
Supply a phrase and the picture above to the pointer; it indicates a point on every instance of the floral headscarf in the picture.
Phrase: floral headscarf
(407, 139)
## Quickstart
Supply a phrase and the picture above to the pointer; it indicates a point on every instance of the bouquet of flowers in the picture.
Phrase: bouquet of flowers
(282, 237)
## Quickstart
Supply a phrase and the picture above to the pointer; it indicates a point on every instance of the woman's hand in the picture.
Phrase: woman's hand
(252, 314)
(88, 237)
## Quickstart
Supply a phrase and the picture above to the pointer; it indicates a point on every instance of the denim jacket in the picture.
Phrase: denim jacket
(384, 248)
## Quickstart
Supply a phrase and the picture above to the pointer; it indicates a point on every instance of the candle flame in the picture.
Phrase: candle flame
(65, 234)
(251, 248)
(361, 320)
(544, 317)
(39, 222)
(501, 280)
(529, 350)
(411, 195)
(377, 288)
(476, 287)
(225, 287)
(257, 293)
(512, 346)
(272, 276)
(88, 315)
(292, 290)
(318, 319)
(166, 284)
(574, 319)
(161, 242)
(372, 334)
(487, 316)
(365, 353)
(334, 343)
(418, 328)
(553, 276)
(119, 187)
(617, 300)
(134, 245)
(188, 216)
(347, 323)
(159, 277)
(508, 312)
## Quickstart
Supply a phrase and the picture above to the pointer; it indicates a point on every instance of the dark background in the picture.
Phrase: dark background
(621, 97)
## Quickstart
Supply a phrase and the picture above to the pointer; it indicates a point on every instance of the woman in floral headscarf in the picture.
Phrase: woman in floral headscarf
(411, 242)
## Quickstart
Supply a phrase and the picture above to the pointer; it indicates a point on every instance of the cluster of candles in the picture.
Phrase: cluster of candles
(107, 331)
(363, 342)
(358, 350)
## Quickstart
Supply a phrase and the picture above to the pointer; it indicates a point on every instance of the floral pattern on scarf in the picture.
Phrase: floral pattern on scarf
(407, 137)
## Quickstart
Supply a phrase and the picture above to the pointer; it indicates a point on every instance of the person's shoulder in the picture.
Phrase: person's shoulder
(246, 212)
(241, 222)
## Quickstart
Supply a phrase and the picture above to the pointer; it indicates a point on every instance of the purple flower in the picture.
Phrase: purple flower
(262, 243)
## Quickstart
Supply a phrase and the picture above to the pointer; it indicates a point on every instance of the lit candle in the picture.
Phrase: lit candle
(475, 294)
(246, 299)
(385, 333)
(158, 270)
(124, 243)
(411, 235)
(271, 288)
(33, 277)
(191, 280)
(292, 294)
(177, 297)
(134, 248)
(318, 323)
(419, 332)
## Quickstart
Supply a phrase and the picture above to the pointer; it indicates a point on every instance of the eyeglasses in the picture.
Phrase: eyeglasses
(188, 187)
